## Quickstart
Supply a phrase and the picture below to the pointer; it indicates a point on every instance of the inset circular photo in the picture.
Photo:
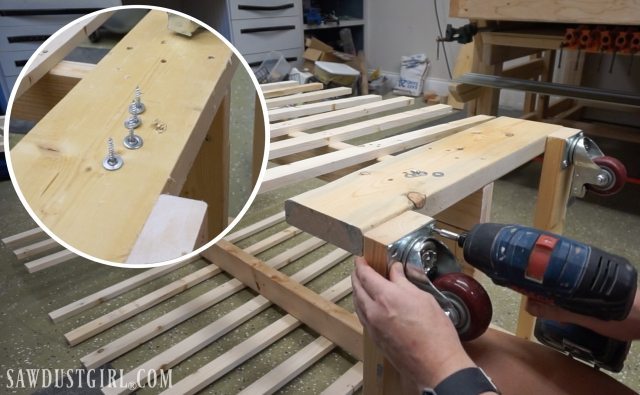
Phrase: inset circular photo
(136, 136)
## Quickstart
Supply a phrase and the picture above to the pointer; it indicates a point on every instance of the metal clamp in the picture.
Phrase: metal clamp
(423, 257)
(581, 152)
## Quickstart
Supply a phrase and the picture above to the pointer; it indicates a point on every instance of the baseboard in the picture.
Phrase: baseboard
(508, 98)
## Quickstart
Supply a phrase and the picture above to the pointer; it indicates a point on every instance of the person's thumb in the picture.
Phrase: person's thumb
(396, 274)
(555, 313)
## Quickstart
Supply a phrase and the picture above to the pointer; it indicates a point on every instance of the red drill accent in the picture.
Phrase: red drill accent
(540, 257)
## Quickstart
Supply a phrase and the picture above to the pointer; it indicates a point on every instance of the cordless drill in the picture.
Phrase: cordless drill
(556, 270)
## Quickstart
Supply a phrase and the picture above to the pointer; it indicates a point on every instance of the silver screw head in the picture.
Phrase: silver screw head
(136, 108)
(132, 122)
(112, 161)
(133, 141)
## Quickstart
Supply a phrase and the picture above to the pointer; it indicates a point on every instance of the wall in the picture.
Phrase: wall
(405, 27)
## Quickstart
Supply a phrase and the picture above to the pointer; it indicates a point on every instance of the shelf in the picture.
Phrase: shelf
(333, 25)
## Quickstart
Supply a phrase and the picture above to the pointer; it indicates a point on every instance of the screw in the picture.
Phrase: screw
(437, 174)
(112, 161)
(132, 140)
(132, 122)
(137, 107)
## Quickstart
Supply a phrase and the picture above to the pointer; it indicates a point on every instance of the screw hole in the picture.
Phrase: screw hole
(129, 48)
(163, 61)
(163, 42)
(211, 57)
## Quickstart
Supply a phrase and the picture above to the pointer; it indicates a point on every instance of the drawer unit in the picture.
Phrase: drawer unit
(269, 34)
(293, 56)
(247, 9)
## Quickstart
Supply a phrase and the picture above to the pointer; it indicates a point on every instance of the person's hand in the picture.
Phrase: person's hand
(408, 325)
(627, 329)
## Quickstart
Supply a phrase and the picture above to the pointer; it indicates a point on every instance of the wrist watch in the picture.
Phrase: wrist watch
(468, 381)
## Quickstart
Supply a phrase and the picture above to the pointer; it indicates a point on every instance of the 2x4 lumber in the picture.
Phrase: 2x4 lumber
(210, 333)
(282, 175)
(114, 291)
(530, 69)
(49, 261)
(162, 324)
(291, 368)
(259, 140)
(42, 96)
(208, 179)
(380, 376)
(255, 228)
(625, 12)
(342, 211)
(551, 206)
(36, 248)
(279, 114)
(307, 97)
(524, 40)
(220, 366)
(24, 237)
(108, 320)
(348, 383)
(462, 66)
(57, 49)
(346, 114)
(326, 318)
(278, 85)
(59, 165)
(175, 227)
(321, 139)
(290, 90)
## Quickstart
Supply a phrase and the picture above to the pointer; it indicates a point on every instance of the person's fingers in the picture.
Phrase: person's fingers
(372, 282)
(555, 313)
(361, 300)
(397, 276)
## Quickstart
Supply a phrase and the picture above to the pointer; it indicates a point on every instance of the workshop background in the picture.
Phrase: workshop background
(383, 32)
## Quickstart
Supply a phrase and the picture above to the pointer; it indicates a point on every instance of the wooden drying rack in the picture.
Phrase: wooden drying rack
(458, 203)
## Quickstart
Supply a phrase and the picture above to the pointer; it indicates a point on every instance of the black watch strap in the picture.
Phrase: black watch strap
(468, 381)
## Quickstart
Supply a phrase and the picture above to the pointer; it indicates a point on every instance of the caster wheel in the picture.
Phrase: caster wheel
(471, 302)
(617, 172)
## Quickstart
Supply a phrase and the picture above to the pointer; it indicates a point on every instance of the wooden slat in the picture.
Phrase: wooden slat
(205, 336)
(290, 90)
(113, 291)
(58, 165)
(307, 97)
(36, 248)
(282, 175)
(321, 139)
(289, 369)
(340, 212)
(162, 324)
(255, 228)
(151, 299)
(175, 227)
(49, 261)
(278, 85)
(348, 383)
(273, 240)
(332, 321)
(259, 140)
(24, 237)
(279, 114)
(346, 114)
(220, 366)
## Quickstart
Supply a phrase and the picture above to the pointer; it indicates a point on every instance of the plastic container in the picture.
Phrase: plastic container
(338, 73)
(273, 68)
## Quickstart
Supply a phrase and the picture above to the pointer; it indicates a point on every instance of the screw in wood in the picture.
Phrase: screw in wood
(137, 106)
(112, 161)
(132, 140)
(132, 122)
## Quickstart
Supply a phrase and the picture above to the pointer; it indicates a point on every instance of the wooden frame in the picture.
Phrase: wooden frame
(197, 170)
(457, 202)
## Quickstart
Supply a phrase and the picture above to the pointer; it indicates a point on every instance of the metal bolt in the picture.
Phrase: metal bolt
(132, 140)
(437, 174)
(132, 122)
(137, 107)
(112, 161)
(411, 173)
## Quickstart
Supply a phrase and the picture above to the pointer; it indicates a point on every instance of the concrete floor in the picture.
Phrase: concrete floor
(31, 340)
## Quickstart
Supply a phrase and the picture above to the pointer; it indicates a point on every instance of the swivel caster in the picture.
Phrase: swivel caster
(616, 176)
(471, 302)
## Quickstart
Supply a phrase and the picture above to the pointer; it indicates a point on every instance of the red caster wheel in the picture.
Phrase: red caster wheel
(471, 302)
(617, 176)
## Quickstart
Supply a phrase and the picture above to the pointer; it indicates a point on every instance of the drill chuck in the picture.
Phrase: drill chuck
(553, 269)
